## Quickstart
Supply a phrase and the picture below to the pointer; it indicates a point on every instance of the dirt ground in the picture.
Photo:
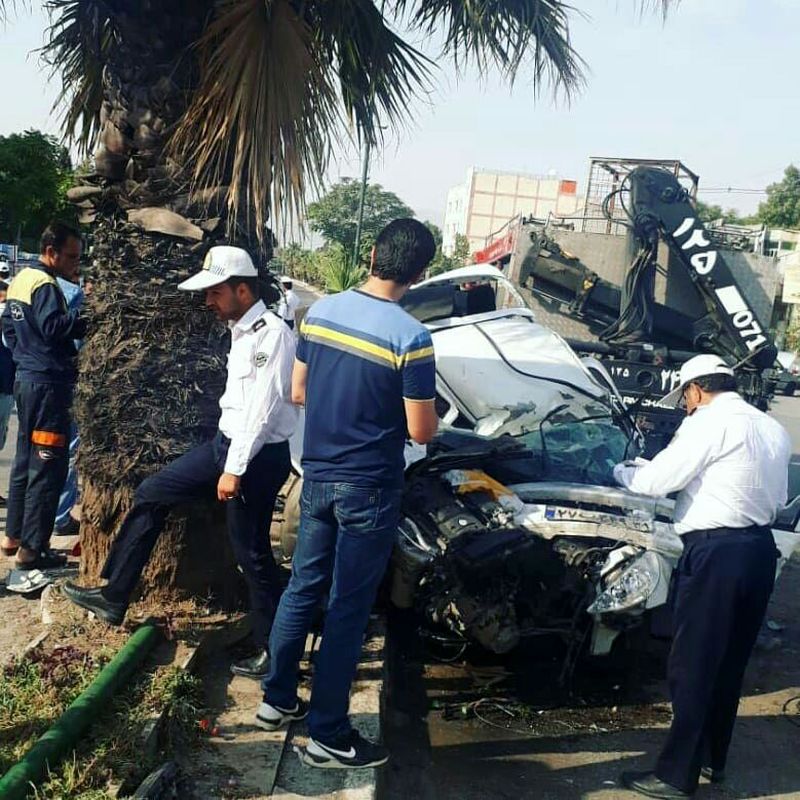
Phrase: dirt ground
(562, 745)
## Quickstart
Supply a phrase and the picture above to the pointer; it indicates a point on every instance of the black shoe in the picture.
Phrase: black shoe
(270, 718)
(95, 601)
(714, 775)
(3, 502)
(350, 752)
(255, 667)
(47, 559)
(70, 528)
(649, 785)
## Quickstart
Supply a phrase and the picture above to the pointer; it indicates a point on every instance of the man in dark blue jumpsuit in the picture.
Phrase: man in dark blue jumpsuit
(39, 331)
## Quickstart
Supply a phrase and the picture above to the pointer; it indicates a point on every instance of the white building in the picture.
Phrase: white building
(487, 200)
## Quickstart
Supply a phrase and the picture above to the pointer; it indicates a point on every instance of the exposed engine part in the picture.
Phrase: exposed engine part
(577, 554)
(409, 562)
(492, 625)
(464, 564)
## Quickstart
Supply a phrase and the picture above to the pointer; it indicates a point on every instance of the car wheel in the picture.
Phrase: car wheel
(790, 389)
(291, 517)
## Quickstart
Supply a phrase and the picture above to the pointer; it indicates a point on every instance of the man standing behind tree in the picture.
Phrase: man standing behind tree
(65, 523)
(7, 371)
(365, 373)
(39, 330)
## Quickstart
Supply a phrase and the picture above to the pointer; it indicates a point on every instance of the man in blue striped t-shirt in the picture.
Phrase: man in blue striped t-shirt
(365, 373)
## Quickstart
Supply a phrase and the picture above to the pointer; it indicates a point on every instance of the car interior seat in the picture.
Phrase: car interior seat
(480, 299)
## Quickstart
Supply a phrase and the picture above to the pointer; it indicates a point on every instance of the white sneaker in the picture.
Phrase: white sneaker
(349, 752)
(270, 718)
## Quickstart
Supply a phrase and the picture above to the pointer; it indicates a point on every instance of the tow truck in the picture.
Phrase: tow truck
(637, 343)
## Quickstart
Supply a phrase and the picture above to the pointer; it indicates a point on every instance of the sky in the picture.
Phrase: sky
(715, 86)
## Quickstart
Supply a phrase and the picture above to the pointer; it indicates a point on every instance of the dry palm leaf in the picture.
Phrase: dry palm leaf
(262, 118)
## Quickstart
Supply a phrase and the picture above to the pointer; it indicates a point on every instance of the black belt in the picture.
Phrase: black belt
(714, 533)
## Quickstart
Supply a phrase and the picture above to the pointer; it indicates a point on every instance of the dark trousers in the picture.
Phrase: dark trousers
(40, 463)
(194, 476)
(346, 537)
(719, 597)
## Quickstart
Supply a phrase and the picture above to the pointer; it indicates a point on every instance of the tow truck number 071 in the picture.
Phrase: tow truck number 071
(703, 263)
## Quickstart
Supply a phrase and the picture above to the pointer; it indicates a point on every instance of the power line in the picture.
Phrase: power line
(730, 190)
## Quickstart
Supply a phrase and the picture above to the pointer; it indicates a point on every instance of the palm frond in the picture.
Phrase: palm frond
(80, 35)
(661, 6)
(264, 116)
(6, 7)
(505, 34)
(378, 73)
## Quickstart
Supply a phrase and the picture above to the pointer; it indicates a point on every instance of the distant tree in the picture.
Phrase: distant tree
(337, 269)
(335, 215)
(35, 173)
(435, 230)
(709, 213)
(462, 251)
(297, 262)
(459, 258)
(782, 206)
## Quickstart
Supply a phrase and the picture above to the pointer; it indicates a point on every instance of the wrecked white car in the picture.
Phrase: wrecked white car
(513, 526)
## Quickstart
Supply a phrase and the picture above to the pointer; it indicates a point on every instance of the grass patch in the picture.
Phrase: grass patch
(38, 688)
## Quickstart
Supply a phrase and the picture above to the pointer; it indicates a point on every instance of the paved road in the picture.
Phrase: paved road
(787, 410)
(306, 294)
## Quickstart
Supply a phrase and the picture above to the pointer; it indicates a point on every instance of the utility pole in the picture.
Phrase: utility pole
(360, 219)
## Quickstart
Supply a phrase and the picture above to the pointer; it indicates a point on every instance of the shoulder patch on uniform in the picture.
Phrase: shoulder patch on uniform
(259, 324)
(25, 284)
(261, 359)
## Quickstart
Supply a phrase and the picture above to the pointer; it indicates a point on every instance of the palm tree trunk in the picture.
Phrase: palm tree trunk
(152, 366)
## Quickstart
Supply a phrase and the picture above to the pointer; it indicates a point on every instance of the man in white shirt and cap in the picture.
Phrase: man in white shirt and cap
(728, 463)
(289, 303)
(244, 466)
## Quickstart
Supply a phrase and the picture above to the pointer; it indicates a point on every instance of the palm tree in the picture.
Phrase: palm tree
(202, 115)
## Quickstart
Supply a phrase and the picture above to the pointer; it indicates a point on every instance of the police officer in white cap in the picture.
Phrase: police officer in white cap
(244, 466)
(290, 302)
(728, 463)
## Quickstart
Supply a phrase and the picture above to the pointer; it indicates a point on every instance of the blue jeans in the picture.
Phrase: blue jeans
(6, 407)
(193, 477)
(346, 537)
(69, 494)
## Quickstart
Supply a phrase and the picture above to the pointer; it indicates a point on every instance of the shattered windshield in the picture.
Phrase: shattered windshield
(576, 449)
(581, 451)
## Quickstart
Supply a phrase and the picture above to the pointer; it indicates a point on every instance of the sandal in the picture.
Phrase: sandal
(10, 550)
(47, 559)
(26, 582)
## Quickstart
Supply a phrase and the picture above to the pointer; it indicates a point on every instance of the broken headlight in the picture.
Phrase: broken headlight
(632, 587)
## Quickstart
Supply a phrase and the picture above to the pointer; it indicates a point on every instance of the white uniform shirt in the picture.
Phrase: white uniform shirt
(288, 305)
(256, 406)
(729, 463)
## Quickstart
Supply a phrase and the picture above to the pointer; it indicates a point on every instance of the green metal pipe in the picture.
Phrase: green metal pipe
(85, 709)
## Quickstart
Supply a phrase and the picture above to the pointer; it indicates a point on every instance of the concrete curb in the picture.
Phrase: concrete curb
(295, 781)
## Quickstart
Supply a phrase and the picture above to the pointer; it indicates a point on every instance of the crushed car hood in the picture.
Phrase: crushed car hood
(503, 365)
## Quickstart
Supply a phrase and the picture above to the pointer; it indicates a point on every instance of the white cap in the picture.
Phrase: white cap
(694, 368)
(221, 262)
